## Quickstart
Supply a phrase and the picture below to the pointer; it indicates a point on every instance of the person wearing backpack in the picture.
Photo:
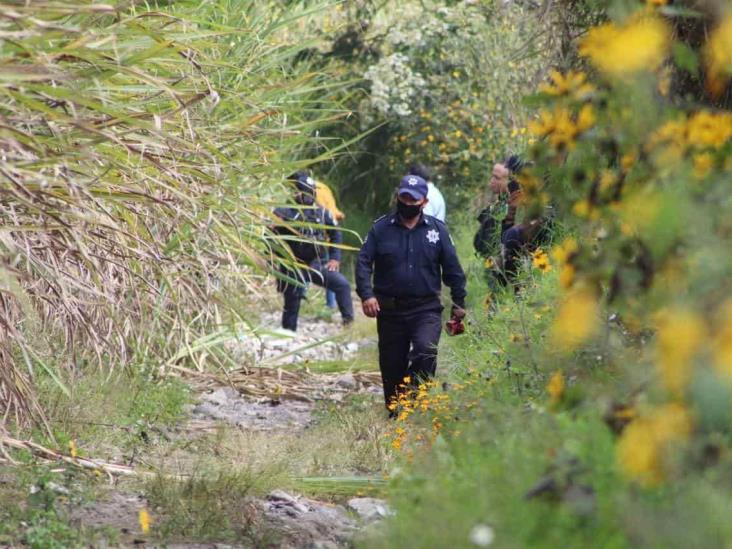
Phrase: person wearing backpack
(309, 241)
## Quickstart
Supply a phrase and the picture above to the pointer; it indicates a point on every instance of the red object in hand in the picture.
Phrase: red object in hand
(454, 326)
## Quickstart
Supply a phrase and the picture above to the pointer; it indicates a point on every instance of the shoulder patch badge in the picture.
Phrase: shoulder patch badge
(433, 237)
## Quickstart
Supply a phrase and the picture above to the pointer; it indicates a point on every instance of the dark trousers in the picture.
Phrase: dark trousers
(514, 242)
(400, 331)
(319, 275)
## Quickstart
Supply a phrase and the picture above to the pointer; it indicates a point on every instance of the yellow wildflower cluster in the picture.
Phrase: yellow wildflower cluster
(645, 442)
(540, 260)
(426, 401)
(700, 133)
(572, 84)
(562, 127)
(642, 43)
(576, 320)
(707, 129)
(718, 57)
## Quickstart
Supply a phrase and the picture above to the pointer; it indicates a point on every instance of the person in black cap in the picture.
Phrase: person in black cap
(321, 262)
(401, 266)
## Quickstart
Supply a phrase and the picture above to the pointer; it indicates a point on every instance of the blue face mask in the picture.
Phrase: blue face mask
(408, 211)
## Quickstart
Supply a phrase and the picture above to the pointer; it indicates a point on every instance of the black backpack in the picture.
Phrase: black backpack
(311, 247)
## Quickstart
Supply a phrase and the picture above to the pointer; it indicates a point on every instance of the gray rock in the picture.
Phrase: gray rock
(221, 396)
(281, 495)
(324, 544)
(369, 509)
(347, 381)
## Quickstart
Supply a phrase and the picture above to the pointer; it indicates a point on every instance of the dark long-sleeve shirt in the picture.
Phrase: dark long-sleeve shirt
(409, 263)
(316, 236)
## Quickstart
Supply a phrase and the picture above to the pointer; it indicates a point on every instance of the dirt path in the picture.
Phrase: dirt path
(271, 406)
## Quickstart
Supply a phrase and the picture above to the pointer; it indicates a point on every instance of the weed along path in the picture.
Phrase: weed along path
(285, 451)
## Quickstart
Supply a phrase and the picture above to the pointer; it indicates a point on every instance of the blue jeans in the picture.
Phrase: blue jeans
(330, 299)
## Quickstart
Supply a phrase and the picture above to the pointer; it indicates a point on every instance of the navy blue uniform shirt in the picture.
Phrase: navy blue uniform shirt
(409, 263)
(317, 216)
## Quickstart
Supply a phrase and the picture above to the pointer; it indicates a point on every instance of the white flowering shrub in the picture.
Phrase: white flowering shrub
(395, 88)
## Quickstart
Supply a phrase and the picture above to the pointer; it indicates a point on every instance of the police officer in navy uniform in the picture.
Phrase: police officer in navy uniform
(408, 254)
(320, 262)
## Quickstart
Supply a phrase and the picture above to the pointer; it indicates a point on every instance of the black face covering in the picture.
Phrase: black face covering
(408, 211)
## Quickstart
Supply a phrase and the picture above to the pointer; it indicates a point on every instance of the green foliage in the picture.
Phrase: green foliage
(593, 407)
(35, 505)
(443, 87)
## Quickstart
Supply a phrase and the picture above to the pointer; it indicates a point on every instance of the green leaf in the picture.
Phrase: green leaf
(686, 58)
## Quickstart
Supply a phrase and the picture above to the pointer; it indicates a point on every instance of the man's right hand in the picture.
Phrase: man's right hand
(371, 307)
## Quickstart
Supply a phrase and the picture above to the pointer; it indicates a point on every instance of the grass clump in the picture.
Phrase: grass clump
(212, 506)
(37, 504)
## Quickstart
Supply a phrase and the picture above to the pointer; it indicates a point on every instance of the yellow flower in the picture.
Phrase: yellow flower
(540, 260)
(576, 320)
(642, 446)
(556, 387)
(680, 335)
(641, 43)
(561, 127)
(572, 83)
(708, 129)
(145, 520)
(718, 57)
(488, 263)
(72, 449)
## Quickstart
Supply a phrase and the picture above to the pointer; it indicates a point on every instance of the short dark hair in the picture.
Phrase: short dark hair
(514, 163)
(421, 170)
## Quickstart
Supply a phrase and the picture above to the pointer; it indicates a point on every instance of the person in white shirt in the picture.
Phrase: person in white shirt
(435, 201)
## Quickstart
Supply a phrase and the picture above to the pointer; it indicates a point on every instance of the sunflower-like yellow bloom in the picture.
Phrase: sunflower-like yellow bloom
(573, 84)
(640, 44)
(643, 445)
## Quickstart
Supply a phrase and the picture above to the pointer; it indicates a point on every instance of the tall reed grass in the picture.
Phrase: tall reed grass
(141, 150)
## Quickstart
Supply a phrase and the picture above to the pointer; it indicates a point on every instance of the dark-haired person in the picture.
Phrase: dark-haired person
(310, 245)
(403, 262)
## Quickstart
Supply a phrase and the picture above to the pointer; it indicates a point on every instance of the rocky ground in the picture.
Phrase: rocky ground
(277, 392)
